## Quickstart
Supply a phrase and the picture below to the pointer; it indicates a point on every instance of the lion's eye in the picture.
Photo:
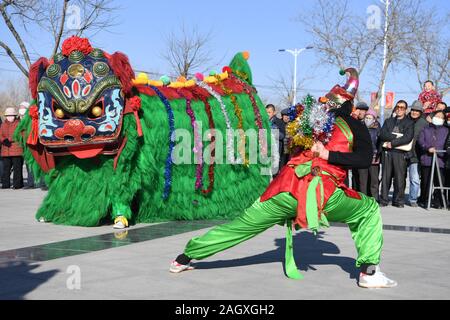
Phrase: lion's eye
(96, 110)
(59, 111)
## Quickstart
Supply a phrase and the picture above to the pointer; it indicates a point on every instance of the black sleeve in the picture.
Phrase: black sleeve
(281, 127)
(361, 156)
(386, 132)
(408, 135)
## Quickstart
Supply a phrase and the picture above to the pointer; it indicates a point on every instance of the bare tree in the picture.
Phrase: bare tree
(405, 18)
(187, 50)
(342, 39)
(429, 55)
(13, 92)
(60, 17)
(282, 86)
(410, 39)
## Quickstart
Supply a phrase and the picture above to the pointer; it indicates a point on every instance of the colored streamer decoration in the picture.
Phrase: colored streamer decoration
(312, 123)
(258, 120)
(238, 113)
(213, 145)
(169, 161)
(198, 146)
(229, 144)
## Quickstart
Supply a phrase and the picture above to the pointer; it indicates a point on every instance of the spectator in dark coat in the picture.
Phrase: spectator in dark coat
(361, 109)
(286, 155)
(11, 151)
(416, 115)
(277, 124)
(369, 178)
(396, 132)
(432, 138)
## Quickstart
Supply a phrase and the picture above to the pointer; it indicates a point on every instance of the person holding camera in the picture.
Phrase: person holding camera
(11, 151)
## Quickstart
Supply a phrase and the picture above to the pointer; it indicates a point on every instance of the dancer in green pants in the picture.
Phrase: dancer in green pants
(309, 192)
(362, 216)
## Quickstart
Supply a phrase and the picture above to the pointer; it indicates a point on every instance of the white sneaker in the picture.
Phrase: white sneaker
(175, 267)
(41, 219)
(377, 280)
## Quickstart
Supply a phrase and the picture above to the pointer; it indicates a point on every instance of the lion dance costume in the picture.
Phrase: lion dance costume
(309, 192)
(106, 141)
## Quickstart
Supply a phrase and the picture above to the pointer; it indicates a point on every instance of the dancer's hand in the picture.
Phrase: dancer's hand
(319, 149)
(317, 146)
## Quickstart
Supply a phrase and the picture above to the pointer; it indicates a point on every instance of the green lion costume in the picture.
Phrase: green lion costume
(113, 147)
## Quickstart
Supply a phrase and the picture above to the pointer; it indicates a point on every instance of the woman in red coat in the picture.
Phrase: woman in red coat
(11, 151)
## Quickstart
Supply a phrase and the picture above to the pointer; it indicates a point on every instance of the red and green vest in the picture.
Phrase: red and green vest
(312, 180)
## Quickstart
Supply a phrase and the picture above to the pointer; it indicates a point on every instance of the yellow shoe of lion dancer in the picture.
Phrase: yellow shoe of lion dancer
(120, 222)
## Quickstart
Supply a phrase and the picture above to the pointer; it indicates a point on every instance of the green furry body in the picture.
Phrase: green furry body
(90, 192)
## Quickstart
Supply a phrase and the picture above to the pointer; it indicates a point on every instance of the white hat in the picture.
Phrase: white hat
(11, 112)
(24, 104)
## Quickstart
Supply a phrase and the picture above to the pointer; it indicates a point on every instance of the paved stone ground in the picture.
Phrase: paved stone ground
(253, 270)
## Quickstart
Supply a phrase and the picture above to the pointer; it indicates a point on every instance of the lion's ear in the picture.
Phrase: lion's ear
(122, 69)
(37, 69)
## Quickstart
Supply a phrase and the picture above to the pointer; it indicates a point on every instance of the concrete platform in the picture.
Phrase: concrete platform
(46, 261)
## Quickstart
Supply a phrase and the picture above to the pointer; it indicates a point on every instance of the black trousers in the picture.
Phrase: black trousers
(30, 177)
(394, 166)
(369, 181)
(355, 180)
(425, 180)
(16, 164)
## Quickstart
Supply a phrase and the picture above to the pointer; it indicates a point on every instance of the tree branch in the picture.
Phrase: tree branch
(16, 36)
(61, 27)
(14, 58)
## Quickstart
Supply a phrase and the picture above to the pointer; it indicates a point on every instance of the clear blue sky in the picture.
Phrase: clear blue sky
(261, 27)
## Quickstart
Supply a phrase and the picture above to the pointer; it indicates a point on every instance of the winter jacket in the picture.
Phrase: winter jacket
(404, 126)
(374, 131)
(415, 152)
(430, 96)
(6, 133)
(277, 123)
(432, 137)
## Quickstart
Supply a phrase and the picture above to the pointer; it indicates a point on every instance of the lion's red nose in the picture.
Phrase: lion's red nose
(75, 131)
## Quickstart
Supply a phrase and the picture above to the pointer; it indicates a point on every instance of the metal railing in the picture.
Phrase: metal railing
(432, 188)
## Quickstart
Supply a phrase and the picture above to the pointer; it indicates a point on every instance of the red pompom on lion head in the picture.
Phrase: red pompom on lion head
(75, 43)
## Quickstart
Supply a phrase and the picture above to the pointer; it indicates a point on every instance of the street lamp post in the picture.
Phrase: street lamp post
(386, 25)
(295, 53)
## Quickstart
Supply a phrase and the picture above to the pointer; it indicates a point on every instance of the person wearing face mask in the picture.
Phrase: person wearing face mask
(432, 138)
(440, 106)
(416, 115)
(11, 151)
(369, 178)
(396, 132)
(23, 107)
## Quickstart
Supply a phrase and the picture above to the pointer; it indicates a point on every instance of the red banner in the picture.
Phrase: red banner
(373, 100)
(389, 100)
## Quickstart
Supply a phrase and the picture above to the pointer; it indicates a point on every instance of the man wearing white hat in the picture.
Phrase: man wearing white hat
(11, 151)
